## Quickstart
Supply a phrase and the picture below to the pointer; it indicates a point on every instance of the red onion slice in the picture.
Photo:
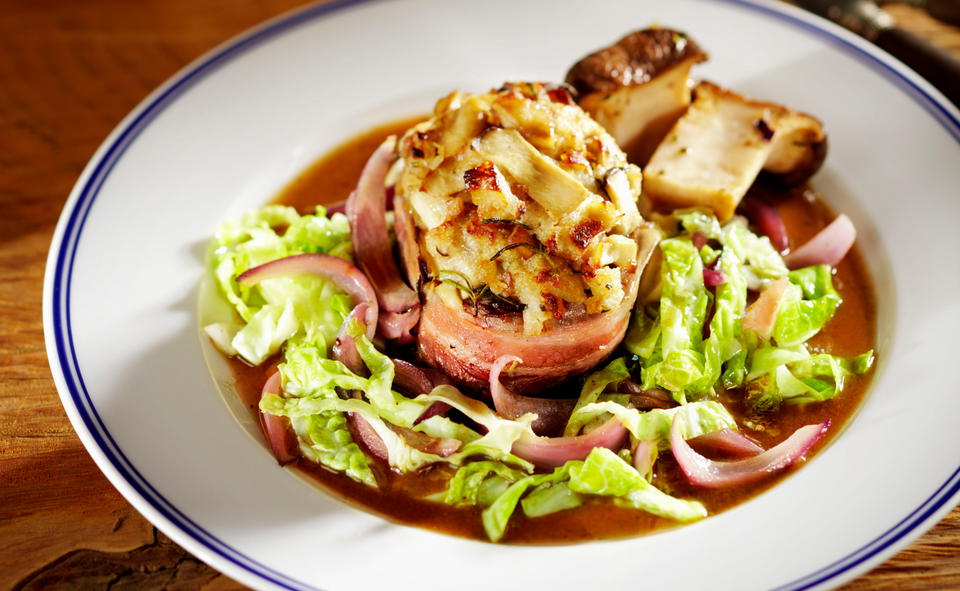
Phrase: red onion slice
(363, 431)
(713, 278)
(726, 441)
(418, 380)
(279, 434)
(828, 247)
(709, 473)
(345, 347)
(411, 378)
(366, 211)
(643, 456)
(342, 273)
(441, 446)
(646, 402)
(341, 207)
(767, 220)
(338, 207)
(552, 413)
(398, 326)
(699, 240)
(407, 240)
(437, 408)
(551, 452)
(646, 399)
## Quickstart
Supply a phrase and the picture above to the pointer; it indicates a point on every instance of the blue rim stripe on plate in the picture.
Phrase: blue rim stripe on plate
(940, 113)
(63, 279)
(61, 293)
(951, 487)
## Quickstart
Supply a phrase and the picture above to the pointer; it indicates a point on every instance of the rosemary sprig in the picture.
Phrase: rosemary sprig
(530, 245)
(463, 285)
(506, 221)
(466, 287)
(476, 299)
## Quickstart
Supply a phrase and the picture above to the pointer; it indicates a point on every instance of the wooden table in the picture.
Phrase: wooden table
(69, 71)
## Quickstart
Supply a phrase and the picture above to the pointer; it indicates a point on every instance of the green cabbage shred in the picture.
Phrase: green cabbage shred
(690, 344)
(666, 336)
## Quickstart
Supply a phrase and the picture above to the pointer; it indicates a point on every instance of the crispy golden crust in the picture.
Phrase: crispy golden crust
(520, 194)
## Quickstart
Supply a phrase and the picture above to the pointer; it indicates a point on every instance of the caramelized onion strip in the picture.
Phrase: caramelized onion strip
(407, 241)
(552, 413)
(828, 247)
(366, 212)
(345, 347)
(419, 380)
(767, 220)
(709, 473)
(726, 441)
(551, 452)
(342, 273)
(279, 434)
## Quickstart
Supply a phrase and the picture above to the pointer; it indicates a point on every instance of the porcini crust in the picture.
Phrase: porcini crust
(635, 59)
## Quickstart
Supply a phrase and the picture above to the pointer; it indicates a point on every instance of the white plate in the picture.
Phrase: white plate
(230, 130)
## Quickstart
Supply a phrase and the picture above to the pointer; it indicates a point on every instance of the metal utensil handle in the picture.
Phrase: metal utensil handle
(934, 64)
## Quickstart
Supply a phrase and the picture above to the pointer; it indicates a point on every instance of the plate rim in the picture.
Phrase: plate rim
(123, 474)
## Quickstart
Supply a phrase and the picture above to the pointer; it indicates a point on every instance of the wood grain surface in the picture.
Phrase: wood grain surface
(69, 71)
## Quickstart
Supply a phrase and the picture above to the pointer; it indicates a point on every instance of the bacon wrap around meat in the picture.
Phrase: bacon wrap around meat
(465, 346)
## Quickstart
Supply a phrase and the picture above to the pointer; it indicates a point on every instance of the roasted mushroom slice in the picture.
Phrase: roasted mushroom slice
(637, 88)
(799, 148)
(716, 150)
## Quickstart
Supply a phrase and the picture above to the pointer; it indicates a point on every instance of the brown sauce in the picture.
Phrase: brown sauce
(851, 332)
(330, 179)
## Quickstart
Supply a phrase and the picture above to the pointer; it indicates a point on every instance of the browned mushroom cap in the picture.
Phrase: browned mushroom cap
(638, 87)
(635, 59)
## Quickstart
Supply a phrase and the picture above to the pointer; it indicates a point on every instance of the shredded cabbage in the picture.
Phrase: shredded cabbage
(275, 310)
(690, 343)
(281, 313)
(615, 371)
(700, 418)
(667, 337)
(602, 473)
